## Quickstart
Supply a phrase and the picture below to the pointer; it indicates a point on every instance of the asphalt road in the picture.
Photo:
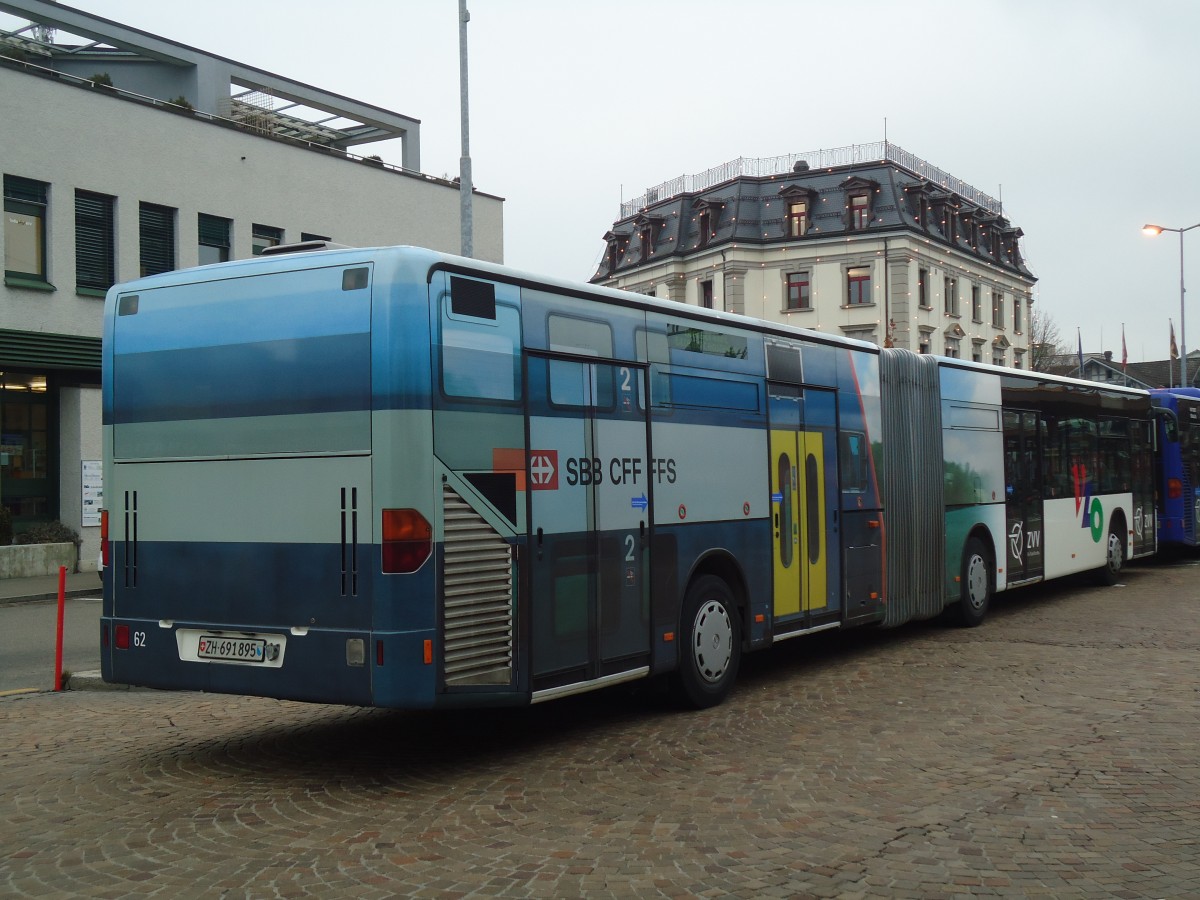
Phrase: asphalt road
(28, 638)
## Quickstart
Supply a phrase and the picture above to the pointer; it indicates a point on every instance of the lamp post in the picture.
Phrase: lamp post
(1154, 231)
(465, 185)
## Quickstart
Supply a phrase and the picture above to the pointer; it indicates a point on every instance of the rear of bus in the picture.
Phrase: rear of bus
(242, 544)
(1178, 465)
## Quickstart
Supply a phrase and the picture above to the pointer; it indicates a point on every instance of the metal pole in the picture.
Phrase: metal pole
(1183, 382)
(58, 641)
(464, 163)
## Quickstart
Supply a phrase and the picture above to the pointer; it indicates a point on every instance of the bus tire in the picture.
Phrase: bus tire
(711, 644)
(1114, 559)
(976, 595)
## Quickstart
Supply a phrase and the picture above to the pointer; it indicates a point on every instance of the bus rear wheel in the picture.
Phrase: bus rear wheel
(711, 644)
(1114, 559)
(976, 583)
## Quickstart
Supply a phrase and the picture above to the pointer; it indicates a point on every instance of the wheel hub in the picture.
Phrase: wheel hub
(714, 641)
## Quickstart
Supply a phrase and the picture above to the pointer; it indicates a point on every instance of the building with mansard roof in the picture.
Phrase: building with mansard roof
(867, 241)
(124, 154)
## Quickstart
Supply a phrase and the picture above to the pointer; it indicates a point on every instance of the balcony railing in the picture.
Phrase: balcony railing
(880, 151)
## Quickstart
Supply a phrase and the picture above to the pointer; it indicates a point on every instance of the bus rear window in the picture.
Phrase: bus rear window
(276, 363)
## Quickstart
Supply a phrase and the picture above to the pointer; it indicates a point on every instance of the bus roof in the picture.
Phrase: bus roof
(433, 260)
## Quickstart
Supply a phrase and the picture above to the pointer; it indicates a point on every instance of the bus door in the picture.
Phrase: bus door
(804, 507)
(589, 496)
(1023, 497)
(1145, 536)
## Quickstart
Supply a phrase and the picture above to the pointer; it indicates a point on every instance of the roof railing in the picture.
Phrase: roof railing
(769, 166)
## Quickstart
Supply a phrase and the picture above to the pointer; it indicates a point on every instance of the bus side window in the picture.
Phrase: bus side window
(481, 343)
(1056, 475)
(854, 462)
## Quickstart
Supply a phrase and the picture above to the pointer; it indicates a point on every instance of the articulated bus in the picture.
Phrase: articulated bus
(1178, 461)
(397, 478)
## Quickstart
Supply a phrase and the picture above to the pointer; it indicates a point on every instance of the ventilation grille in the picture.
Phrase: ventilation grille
(477, 609)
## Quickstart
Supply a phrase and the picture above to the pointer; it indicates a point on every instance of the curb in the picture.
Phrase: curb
(93, 681)
(37, 598)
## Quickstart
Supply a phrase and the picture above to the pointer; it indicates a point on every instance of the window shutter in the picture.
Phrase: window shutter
(94, 268)
(156, 225)
(25, 189)
(214, 231)
(43, 350)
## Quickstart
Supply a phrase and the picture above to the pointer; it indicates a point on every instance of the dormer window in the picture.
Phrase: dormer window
(918, 194)
(968, 228)
(648, 228)
(945, 215)
(860, 212)
(799, 203)
(858, 194)
(708, 216)
(1011, 252)
(617, 245)
(922, 216)
(797, 218)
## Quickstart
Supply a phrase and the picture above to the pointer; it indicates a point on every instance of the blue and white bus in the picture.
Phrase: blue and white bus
(398, 478)
(1178, 462)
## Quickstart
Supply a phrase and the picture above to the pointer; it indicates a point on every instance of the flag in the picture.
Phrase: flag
(1080, 337)
(1174, 348)
(1124, 351)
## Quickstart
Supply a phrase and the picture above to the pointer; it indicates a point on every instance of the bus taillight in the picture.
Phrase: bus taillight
(104, 537)
(1174, 488)
(407, 541)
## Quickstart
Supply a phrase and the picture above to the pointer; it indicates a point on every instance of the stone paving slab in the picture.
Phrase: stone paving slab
(1050, 753)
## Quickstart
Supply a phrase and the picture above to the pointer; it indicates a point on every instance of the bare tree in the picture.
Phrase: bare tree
(1045, 341)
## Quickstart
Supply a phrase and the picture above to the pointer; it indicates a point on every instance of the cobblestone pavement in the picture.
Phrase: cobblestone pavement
(1051, 752)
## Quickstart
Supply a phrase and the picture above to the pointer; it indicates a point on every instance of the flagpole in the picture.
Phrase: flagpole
(1124, 357)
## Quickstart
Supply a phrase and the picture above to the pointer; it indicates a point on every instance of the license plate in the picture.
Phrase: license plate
(215, 646)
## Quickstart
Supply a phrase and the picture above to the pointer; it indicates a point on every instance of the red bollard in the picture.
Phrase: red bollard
(58, 647)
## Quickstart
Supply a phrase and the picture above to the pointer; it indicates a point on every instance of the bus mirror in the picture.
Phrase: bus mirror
(1170, 423)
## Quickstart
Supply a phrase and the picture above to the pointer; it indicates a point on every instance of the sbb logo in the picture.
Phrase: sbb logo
(543, 470)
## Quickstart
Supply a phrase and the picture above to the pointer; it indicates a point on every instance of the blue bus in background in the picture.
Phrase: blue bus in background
(394, 477)
(1178, 462)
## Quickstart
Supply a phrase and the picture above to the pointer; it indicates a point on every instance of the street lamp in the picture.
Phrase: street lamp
(1155, 231)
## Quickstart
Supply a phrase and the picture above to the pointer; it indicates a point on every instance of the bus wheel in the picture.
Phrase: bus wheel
(976, 584)
(711, 644)
(1114, 559)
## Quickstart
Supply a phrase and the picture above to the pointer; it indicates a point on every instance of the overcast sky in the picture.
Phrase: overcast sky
(1083, 115)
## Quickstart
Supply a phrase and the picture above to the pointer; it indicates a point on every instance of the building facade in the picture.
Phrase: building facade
(866, 241)
(126, 154)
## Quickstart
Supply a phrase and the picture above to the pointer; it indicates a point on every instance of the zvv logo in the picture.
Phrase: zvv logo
(543, 470)
(1016, 541)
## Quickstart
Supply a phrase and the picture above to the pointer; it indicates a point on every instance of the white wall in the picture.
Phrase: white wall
(78, 138)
